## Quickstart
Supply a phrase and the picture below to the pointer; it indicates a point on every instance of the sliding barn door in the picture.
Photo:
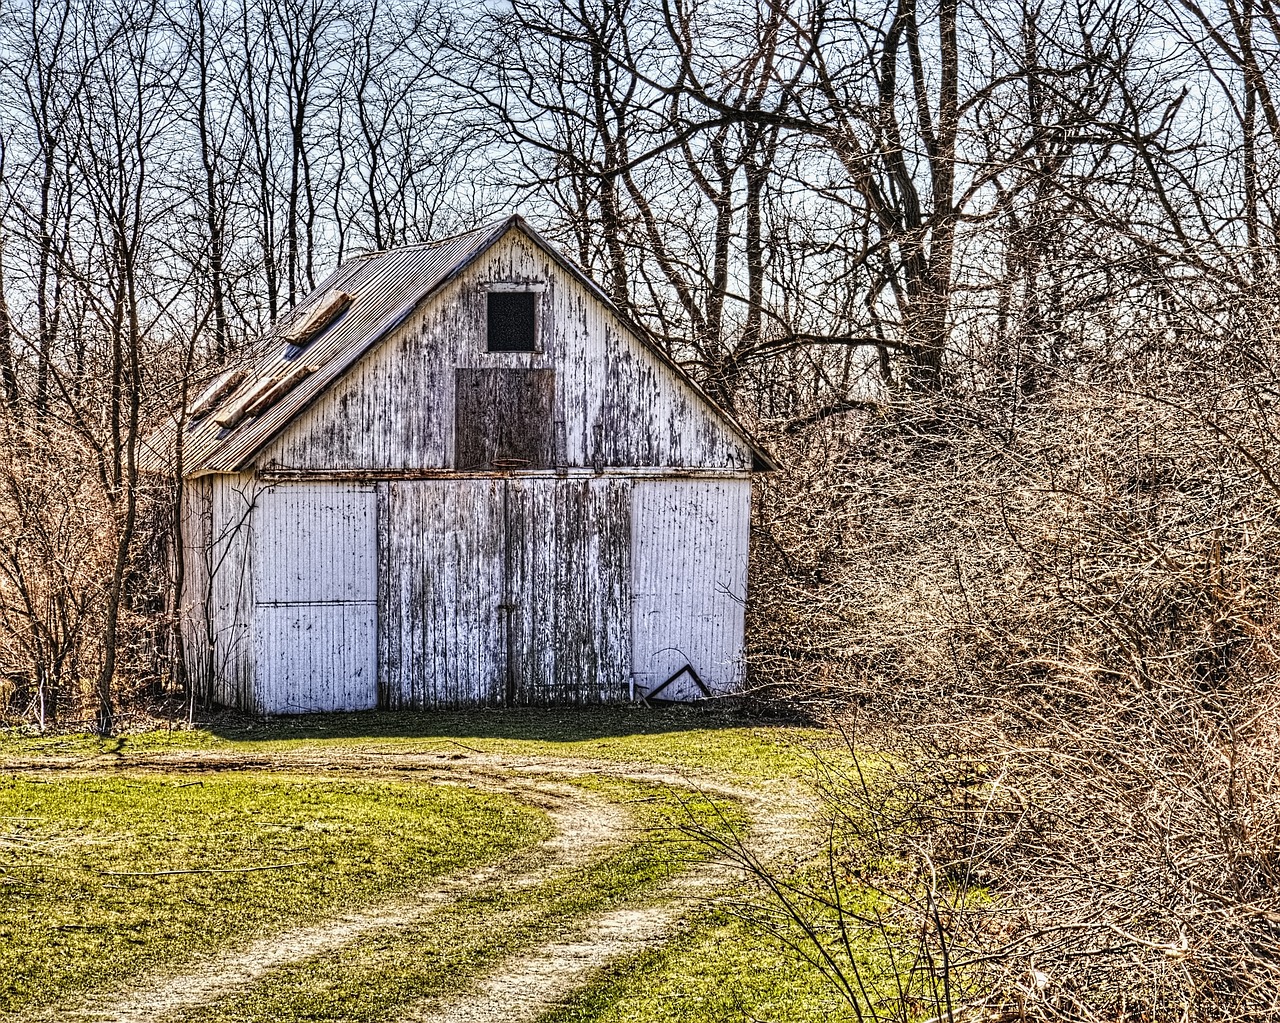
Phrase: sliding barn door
(443, 556)
(505, 592)
(567, 590)
(315, 595)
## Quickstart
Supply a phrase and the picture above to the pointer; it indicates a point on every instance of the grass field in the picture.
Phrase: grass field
(373, 981)
(103, 875)
(91, 827)
(719, 969)
(692, 739)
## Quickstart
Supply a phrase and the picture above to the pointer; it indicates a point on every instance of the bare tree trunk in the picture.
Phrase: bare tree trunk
(8, 367)
(214, 216)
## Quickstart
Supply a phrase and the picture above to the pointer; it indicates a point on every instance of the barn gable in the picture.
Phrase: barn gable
(403, 379)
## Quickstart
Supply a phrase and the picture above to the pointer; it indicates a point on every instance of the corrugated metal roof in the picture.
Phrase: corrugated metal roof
(387, 286)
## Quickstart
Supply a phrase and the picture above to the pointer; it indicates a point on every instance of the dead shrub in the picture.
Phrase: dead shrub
(1063, 638)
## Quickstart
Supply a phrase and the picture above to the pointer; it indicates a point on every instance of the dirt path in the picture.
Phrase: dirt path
(517, 990)
(526, 987)
(585, 826)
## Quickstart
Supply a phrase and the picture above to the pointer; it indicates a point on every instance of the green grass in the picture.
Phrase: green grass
(718, 970)
(692, 739)
(80, 902)
(731, 962)
(372, 980)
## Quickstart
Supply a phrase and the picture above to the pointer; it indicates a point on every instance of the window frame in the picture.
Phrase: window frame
(535, 288)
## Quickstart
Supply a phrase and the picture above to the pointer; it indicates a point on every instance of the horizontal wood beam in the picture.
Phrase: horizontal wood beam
(279, 474)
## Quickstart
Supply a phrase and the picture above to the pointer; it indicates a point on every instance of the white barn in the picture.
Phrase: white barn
(459, 476)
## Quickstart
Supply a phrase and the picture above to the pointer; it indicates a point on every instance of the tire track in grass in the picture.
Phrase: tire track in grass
(585, 825)
(524, 988)
(527, 987)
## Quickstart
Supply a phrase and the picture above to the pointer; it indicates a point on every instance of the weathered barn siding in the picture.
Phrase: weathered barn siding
(231, 593)
(315, 593)
(434, 525)
(614, 402)
(689, 545)
(196, 524)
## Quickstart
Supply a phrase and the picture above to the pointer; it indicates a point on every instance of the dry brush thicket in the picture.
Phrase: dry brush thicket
(996, 282)
(1060, 633)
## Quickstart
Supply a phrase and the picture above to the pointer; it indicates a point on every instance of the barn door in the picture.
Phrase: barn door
(567, 579)
(443, 555)
(689, 586)
(505, 591)
(315, 595)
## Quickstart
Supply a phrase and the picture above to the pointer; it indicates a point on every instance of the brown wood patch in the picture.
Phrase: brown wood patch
(503, 418)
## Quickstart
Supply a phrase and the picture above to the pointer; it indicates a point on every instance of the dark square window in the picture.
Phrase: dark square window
(511, 321)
